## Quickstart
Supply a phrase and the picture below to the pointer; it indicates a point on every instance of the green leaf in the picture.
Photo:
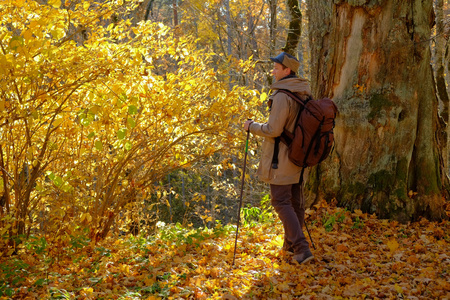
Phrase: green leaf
(35, 114)
(99, 145)
(131, 123)
(132, 109)
(50, 175)
(128, 146)
(58, 181)
(85, 121)
(91, 135)
(40, 282)
(15, 42)
(121, 133)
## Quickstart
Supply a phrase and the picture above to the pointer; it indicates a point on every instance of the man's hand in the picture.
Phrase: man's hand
(247, 124)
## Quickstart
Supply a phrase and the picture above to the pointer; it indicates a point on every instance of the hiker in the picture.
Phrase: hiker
(286, 191)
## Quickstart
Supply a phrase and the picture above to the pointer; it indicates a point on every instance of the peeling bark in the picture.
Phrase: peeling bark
(439, 68)
(373, 58)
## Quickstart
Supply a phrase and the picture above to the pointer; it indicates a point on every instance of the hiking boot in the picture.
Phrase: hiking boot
(303, 257)
(288, 250)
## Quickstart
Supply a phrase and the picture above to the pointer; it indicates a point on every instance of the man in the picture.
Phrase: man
(285, 189)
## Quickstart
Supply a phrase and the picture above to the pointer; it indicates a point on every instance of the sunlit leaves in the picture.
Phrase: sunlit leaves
(54, 3)
(184, 262)
(111, 107)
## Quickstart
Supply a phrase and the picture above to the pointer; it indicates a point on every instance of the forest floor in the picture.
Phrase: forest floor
(357, 256)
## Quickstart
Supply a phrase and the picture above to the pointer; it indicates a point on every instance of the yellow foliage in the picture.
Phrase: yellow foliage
(117, 111)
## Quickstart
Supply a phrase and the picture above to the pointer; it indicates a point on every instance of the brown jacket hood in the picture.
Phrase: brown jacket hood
(283, 114)
(293, 84)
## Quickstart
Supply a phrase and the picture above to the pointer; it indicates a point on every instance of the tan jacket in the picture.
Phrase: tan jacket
(283, 114)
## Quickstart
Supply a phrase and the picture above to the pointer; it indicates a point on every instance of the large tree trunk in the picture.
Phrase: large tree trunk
(374, 61)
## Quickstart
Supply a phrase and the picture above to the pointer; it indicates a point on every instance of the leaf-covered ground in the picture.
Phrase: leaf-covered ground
(358, 256)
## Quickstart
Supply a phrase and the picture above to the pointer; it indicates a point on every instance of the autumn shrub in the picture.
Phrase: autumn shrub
(89, 127)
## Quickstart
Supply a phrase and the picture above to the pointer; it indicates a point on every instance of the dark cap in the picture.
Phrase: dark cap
(287, 60)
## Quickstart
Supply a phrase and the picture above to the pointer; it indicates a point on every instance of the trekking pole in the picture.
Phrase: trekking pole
(301, 184)
(242, 190)
(310, 236)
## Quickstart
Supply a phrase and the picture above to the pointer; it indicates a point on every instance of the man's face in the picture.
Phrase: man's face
(279, 71)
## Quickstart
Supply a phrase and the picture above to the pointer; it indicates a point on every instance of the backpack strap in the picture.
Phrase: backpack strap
(298, 100)
(276, 150)
(286, 137)
(315, 137)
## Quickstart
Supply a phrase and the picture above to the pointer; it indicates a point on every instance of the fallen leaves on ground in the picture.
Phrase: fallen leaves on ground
(358, 256)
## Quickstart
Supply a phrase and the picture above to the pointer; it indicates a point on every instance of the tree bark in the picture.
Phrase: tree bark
(439, 68)
(295, 27)
(175, 13)
(273, 26)
(228, 19)
(373, 58)
(5, 198)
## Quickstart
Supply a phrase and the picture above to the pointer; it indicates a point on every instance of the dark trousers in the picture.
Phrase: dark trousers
(289, 204)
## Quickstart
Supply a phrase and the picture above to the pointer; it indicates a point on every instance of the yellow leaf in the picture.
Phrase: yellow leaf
(54, 3)
(19, 3)
(398, 289)
(213, 93)
(88, 290)
(393, 245)
(278, 241)
(263, 96)
(58, 120)
(58, 33)
(125, 269)
(27, 34)
(35, 162)
(86, 217)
